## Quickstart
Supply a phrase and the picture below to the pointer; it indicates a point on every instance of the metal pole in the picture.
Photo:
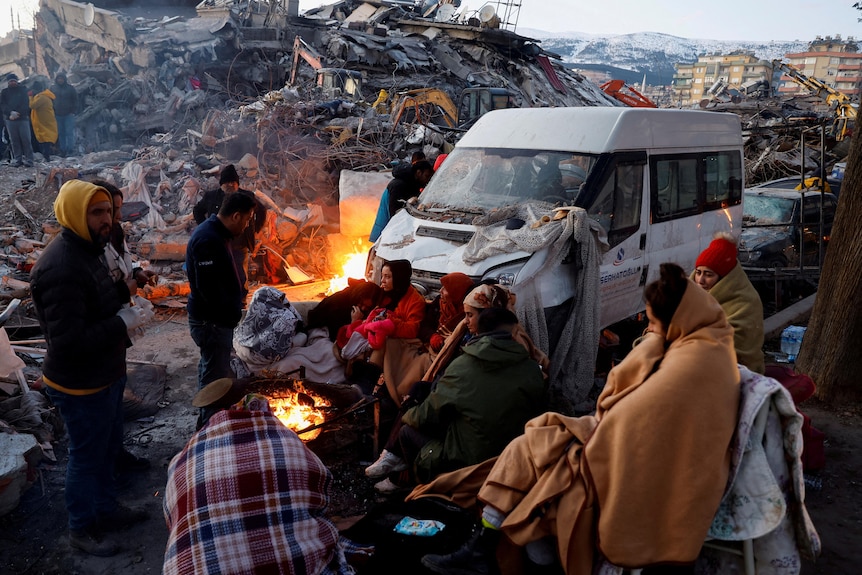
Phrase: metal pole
(802, 205)
(822, 228)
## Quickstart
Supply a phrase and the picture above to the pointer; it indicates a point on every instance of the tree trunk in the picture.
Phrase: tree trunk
(831, 351)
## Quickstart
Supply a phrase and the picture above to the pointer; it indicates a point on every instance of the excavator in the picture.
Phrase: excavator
(334, 81)
(433, 106)
(845, 112)
(621, 91)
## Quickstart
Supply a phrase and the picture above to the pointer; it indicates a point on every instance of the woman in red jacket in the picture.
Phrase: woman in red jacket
(404, 310)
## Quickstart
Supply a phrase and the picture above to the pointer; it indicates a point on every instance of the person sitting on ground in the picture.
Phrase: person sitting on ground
(480, 404)
(404, 185)
(718, 272)
(393, 327)
(442, 317)
(640, 481)
(246, 496)
(484, 296)
(334, 311)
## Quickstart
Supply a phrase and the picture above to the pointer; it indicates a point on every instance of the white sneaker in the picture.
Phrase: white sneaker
(387, 463)
(386, 486)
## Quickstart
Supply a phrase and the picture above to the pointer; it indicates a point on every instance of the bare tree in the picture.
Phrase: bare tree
(831, 351)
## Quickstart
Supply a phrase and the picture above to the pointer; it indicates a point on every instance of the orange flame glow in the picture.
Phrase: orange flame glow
(299, 409)
(353, 267)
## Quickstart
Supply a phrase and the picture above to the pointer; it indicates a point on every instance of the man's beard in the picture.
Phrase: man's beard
(101, 238)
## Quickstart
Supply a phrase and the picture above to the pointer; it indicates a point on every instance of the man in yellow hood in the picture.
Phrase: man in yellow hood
(86, 331)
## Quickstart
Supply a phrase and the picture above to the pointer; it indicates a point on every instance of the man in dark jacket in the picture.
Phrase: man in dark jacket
(216, 299)
(65, 108)
(405, 184)
(15, 107)
(211, 202)
(86, 330)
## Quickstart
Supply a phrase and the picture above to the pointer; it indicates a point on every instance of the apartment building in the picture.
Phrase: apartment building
(713, 74)
(835, 62)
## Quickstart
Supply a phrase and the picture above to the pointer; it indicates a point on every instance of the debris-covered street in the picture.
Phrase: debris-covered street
(315, 112)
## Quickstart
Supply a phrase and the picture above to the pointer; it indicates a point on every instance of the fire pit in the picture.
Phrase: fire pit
(307, 407)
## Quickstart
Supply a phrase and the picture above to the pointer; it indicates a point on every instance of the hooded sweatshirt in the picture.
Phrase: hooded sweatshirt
(42, 116)
(76, 302)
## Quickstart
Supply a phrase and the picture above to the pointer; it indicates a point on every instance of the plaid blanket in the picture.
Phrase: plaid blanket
(245, 496)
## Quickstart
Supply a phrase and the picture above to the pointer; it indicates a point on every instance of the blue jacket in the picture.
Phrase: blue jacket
(383, 217)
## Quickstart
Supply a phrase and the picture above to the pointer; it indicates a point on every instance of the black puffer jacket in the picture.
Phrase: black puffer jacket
(77, 306)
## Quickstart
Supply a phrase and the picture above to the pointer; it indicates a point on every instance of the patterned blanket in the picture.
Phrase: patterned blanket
(245, 496)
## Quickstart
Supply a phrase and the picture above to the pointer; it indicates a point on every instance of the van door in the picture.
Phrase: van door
(620, 208)
(690, 197)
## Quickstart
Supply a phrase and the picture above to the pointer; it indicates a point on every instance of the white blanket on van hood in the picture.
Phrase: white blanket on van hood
(571, 375)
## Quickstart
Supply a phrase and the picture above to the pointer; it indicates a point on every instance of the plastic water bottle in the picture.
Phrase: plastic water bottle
(791, 341)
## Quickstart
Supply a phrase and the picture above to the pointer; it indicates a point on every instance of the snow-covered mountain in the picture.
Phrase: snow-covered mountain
(648, 53)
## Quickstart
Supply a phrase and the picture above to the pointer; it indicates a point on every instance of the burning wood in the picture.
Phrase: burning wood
(299, 409)
(353, 267)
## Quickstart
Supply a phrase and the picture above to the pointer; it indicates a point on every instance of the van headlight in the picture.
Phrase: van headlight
(506, 275)
(507, 279)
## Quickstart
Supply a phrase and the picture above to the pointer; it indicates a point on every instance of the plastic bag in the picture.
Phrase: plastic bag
(419, 527)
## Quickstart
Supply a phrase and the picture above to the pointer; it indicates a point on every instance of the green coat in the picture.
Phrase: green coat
(481, 403)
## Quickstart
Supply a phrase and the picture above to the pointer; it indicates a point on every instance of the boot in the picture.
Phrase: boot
(93, 541)
(477, 556)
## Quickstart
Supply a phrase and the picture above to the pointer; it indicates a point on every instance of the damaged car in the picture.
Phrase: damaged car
(779, 224)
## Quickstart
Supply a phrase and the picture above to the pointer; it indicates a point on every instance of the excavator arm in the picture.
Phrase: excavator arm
(307, 53)
(621, 91)
(845, 112)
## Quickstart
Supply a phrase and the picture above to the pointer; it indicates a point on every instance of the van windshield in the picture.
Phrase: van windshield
(480, 179)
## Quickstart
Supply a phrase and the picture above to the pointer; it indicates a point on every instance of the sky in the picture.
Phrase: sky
(752, 20)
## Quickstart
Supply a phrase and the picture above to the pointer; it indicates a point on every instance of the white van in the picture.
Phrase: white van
(660, 183)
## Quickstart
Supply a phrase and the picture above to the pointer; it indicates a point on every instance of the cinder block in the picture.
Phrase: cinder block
(19, 456)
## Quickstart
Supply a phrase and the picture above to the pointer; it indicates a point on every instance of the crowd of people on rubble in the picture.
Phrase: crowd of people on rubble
(462, 392)
(38, 118)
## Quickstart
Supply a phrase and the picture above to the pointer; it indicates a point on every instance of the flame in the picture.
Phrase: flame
(353, 267)
(292, 408)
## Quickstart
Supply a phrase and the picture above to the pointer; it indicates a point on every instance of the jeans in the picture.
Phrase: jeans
(19, 137)
(94, 424)
(216, 344)
(66, 134)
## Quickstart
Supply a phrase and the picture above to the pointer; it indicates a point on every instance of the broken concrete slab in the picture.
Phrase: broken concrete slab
(19, 457)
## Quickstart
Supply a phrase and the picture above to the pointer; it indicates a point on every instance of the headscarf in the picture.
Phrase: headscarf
(73, 199)
(253, 402)
(401, 273)
(451, 308)
(493, 295)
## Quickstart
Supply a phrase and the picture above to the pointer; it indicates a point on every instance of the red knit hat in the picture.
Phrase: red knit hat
(720, 256)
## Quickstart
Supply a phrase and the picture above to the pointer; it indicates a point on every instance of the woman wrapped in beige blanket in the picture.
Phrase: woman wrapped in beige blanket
(638, 482)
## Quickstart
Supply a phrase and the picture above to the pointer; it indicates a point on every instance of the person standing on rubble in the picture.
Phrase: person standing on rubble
(65, 108)
(86, 329)
(43, 119)
(211, 202)
(405, 184)
(15, 107)
(217, 296)
(127, 280)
